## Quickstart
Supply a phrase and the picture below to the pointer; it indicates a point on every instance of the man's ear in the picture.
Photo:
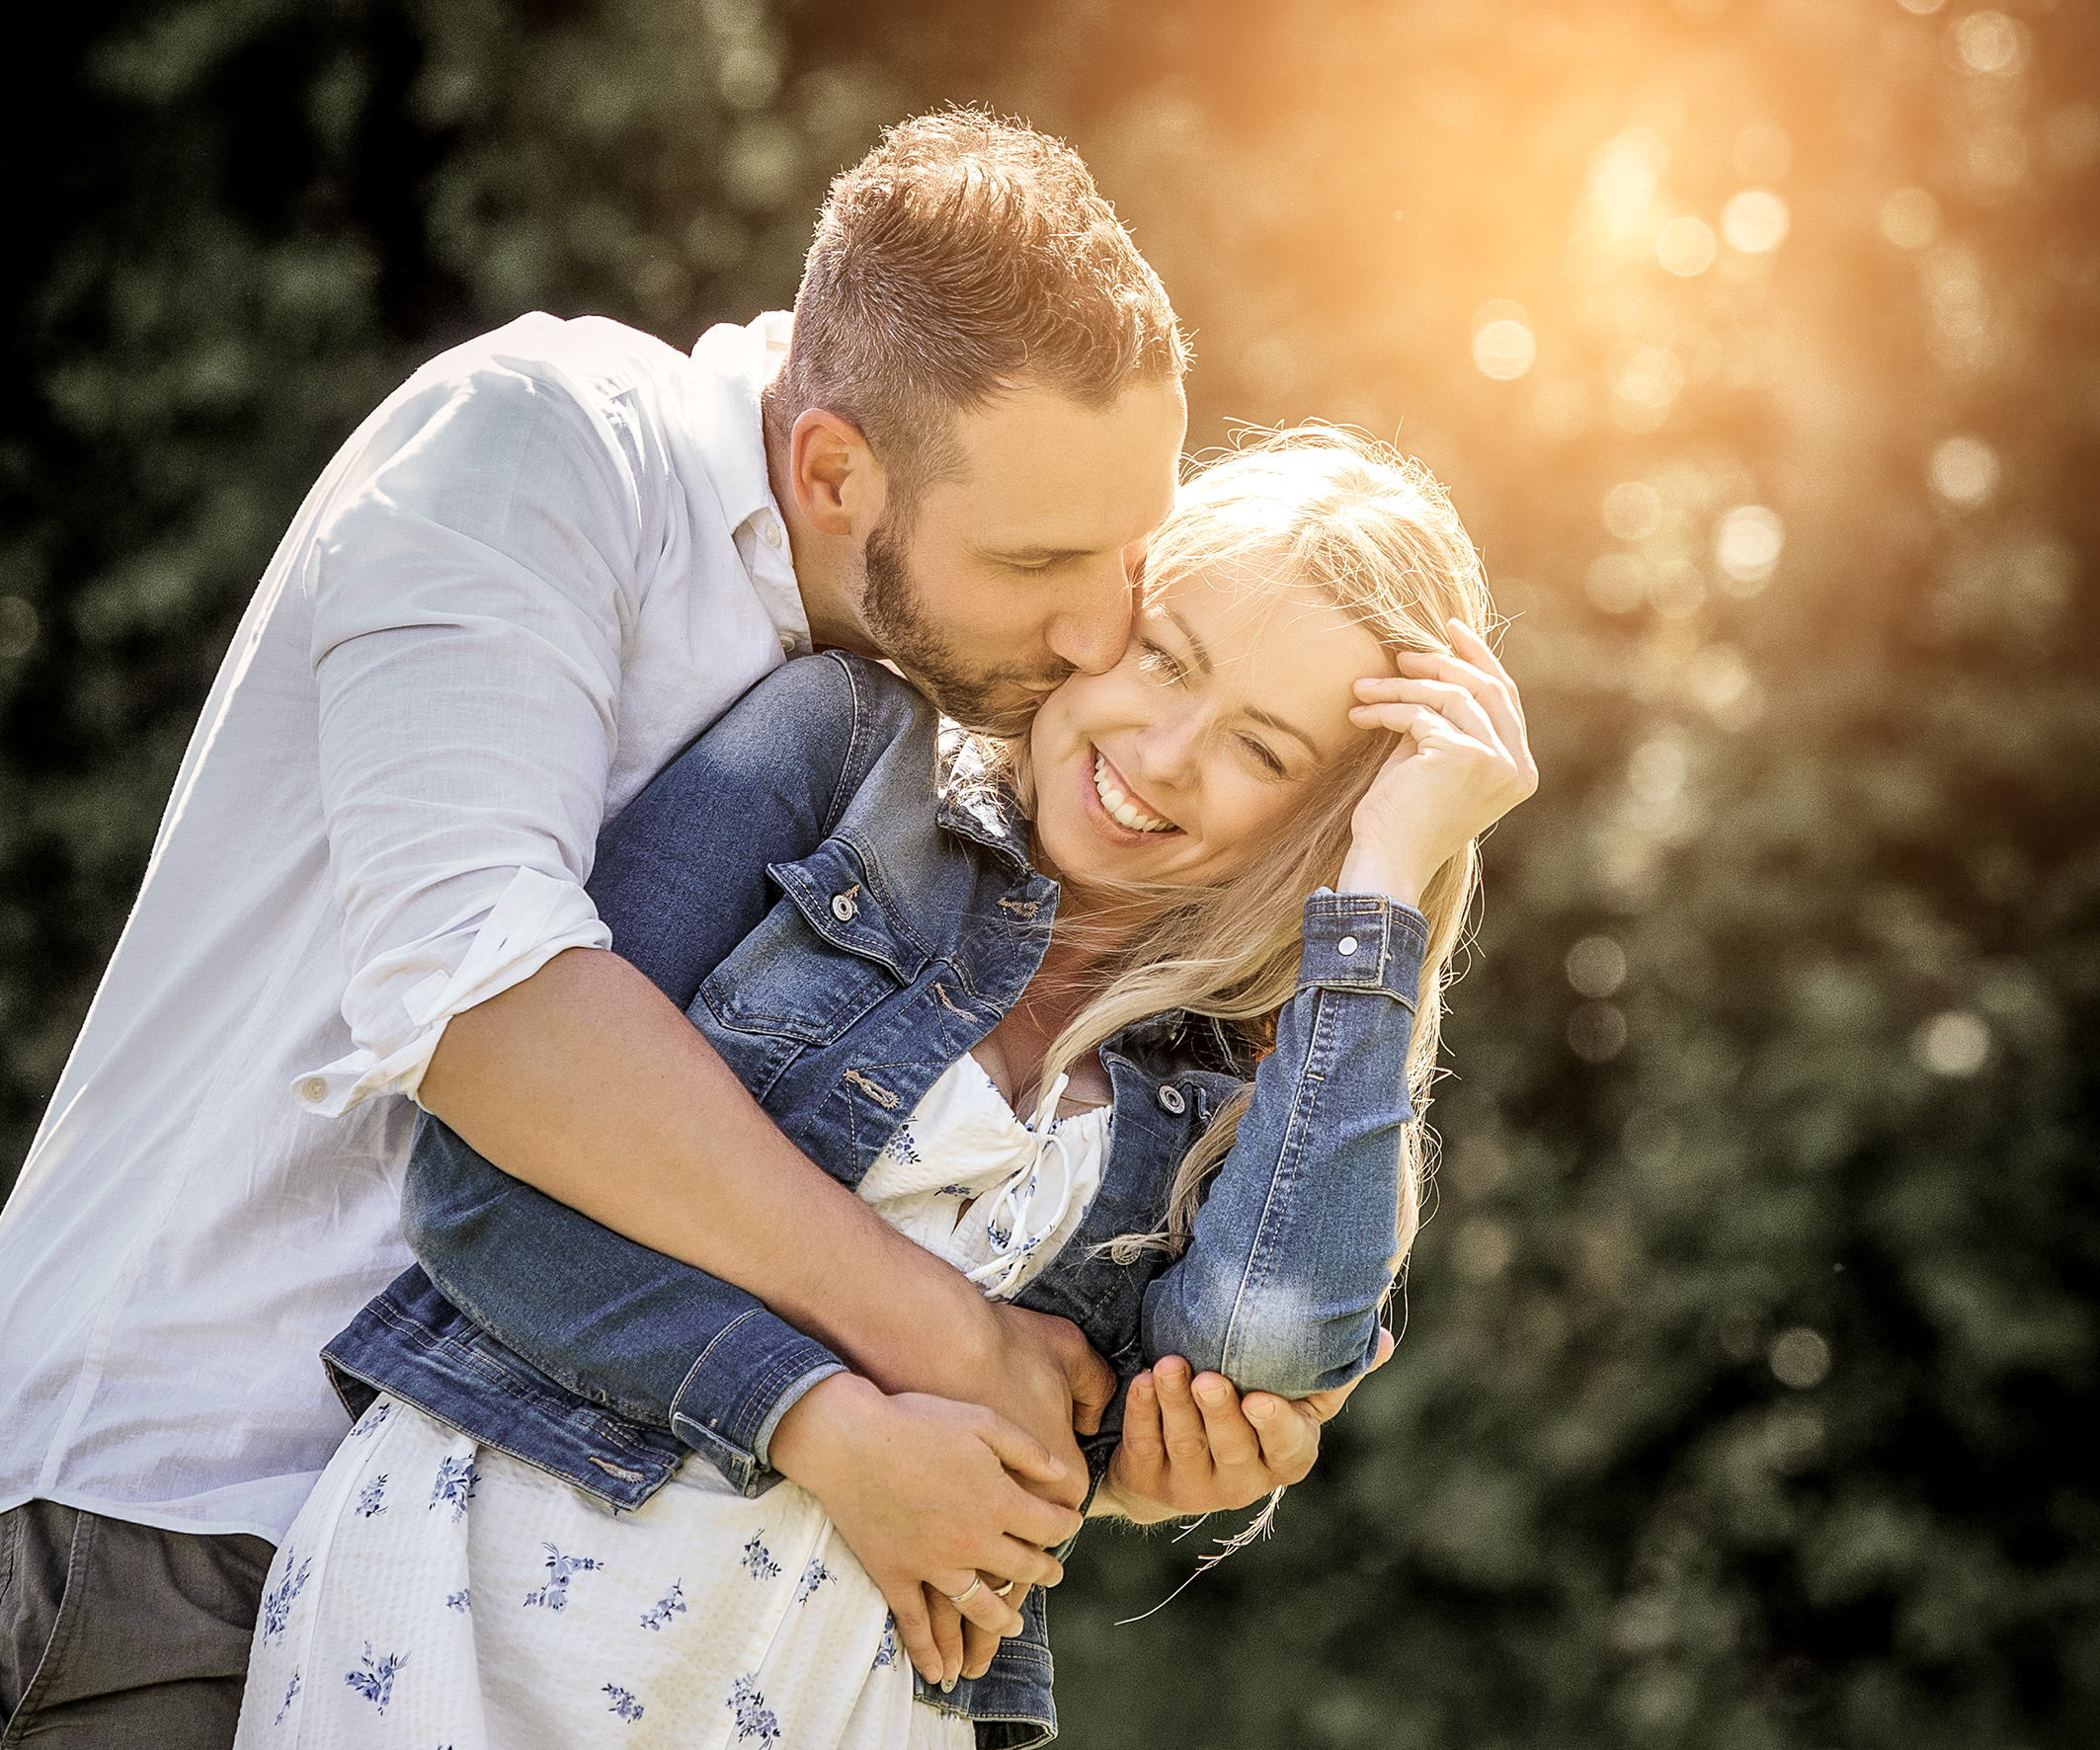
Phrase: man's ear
(838, 486)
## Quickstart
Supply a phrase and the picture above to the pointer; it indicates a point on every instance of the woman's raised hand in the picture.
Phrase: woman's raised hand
(1463, 762)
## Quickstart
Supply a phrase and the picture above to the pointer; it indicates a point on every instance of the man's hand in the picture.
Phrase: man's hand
(1046, 1377)
(1192, 1446)
(920, 1490)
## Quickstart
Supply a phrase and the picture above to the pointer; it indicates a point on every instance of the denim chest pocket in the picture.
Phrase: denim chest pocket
(829, 952)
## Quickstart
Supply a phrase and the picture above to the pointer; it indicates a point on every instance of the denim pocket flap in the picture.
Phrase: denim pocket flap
(842, 901)
(825, 956)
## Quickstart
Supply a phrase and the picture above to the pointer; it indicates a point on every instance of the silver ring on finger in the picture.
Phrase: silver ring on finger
(959, 1598)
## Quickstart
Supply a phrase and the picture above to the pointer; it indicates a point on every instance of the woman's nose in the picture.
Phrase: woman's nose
(1171, 749)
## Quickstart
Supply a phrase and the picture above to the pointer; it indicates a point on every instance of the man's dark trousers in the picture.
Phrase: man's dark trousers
(117, 1637)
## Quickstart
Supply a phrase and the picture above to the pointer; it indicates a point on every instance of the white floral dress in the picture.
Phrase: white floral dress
(439, 1595)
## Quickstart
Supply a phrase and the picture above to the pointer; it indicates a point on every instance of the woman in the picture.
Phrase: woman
(1251, 845)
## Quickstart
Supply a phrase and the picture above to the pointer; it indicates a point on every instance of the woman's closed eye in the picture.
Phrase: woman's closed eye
(1264, 757)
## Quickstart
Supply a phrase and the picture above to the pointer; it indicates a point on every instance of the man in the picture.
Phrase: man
(529, 578)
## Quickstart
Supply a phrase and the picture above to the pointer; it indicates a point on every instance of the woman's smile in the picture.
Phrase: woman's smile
(1123, 806)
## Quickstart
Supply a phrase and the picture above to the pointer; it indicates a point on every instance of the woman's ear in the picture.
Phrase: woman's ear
(838, 486)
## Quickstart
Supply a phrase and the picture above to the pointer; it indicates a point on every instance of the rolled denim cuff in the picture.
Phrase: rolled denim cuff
(1363, 941)
(752, 1373)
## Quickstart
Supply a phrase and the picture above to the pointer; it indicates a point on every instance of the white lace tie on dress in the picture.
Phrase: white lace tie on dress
(1016, 1199)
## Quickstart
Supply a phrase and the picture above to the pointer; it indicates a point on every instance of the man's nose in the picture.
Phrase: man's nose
(1093, 628)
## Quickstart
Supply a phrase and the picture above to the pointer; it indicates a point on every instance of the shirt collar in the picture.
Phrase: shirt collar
(734, 365)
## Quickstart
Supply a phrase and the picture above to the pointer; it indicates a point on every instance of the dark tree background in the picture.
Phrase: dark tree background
(1759, 341)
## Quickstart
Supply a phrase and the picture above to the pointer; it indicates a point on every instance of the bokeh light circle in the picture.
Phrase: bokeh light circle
(1953, 1044)
(1633, 510)
(1990, 43)
(1909, 218)
(1505, 350)
(1596, 1032)
(1964, 472)
(1747, 546)
(1685, 246)
(1596, 967)
(1800, 1358)
(1617, 582)
(1755, 221)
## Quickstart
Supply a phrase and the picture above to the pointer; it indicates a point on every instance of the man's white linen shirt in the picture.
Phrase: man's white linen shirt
(537, 570)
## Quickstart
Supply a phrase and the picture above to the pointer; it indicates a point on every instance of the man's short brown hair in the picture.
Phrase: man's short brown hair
(962, 255)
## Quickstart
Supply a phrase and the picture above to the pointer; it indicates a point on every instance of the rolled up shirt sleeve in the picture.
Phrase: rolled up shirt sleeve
(471, 583)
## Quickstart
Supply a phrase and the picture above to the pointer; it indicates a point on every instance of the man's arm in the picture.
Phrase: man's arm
(586, 1064)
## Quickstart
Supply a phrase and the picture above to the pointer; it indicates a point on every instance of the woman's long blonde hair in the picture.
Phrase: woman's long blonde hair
(1372, 531)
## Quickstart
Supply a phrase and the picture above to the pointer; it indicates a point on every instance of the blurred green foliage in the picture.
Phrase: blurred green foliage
(1739, 1401)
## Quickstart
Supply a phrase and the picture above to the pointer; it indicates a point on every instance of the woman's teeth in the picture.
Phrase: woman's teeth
(1120, 808)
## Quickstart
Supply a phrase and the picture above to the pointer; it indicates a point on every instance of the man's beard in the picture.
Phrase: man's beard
(999, 701)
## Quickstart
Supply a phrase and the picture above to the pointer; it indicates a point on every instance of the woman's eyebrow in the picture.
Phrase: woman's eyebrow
(1282, 727)
(1195, 644)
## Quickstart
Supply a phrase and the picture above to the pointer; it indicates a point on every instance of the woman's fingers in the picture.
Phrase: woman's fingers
(946, 1623)
(984, 1607)
(1457, 705)
(1424, 725)
(979, 1645)
(1496, 697)
(1480, 654)
(915, 1629)
(1241, 1475)
(1186, 1440)
(1472, 665)
(1023, 1563)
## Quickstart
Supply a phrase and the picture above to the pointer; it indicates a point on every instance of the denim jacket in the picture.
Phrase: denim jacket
(840, 938)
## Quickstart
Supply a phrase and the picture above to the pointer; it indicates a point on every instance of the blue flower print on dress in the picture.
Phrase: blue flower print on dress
(554, 1595)
(371, 1498)
(760, 1559)
(623, 1702)
(756, 1723)
(290, 1689)
(375, 1681)
(372, 1421)
(886, 1647)
(455, 1484)
(461, 1601)
(904, 1146)
(673, 1604)
(277, 1602)
(813, 1576)
(957, 1191)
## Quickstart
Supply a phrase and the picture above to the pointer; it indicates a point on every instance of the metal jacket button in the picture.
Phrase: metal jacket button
(1345, 947)
(1171, 1100)
(842, 907)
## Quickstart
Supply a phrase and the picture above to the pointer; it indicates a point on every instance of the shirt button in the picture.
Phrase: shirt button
(772, 532)
(787, 643)
(1345, 947)
(313, 1091)
(1171, 1100)
(842, 907)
